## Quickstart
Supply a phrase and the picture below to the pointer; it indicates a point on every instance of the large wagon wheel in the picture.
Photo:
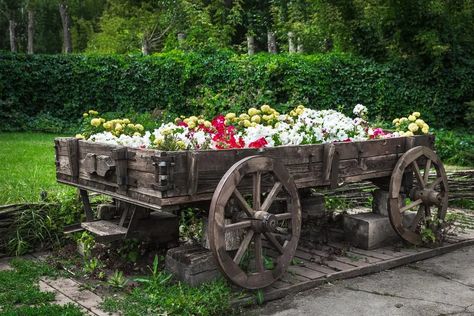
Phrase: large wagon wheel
(258, 199)
(427, 193)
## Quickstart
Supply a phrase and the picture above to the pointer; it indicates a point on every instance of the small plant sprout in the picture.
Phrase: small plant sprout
(117, 280)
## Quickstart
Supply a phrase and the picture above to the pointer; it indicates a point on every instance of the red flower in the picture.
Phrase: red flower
(259, 143)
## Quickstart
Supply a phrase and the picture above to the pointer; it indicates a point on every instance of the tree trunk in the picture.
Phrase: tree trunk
(181, 38)
(145, 46)
(271, 42)
(250, 44)
(66, 21)
(291, 43)
(31, 31)
(13, 44)
(300, 48)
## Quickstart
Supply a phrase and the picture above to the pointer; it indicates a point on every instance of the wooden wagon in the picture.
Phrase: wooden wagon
(254, 194)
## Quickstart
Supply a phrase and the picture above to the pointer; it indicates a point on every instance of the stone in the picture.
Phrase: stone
(370, 231)
(380, 202)
(192, 264)
(106, 211)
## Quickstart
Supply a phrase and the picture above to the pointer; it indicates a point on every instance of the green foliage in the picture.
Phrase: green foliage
(455, 147)
(28, 168)
(158, 295)
(64, 87)
(20, 293)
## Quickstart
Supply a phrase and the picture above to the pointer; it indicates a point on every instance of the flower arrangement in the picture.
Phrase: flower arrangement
(411, 125)
(256, 128)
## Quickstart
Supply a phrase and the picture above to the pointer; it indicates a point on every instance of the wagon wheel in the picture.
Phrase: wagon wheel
(268, 220)
(428, 193)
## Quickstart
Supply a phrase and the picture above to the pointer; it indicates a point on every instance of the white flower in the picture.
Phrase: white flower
(360, 110)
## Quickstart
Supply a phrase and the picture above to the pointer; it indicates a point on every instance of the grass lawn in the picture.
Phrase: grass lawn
(27, 167)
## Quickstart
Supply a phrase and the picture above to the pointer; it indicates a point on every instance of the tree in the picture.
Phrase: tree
(66, 22)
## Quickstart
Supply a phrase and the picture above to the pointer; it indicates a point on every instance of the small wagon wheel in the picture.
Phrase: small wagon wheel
(265, 197)
(428, 193)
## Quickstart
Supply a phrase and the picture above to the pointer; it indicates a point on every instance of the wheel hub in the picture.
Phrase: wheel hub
(428, 196)
(266, 222)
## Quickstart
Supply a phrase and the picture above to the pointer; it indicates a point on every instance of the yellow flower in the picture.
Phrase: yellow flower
(401, 133)
(403, 120)
(299, 111)
(425, 130)
(265, 108)
(80, 136)
(139, 127)
(137, 134)
(256, 119)
(247, 123)
(413, 127)
(158, 141)
(200, 121)
(395, 121)
(230, 116)
(420, 122)
(252, 112)
(166, 131)
(102, 120)
(92, 112)
(300, 107)
(96, 122)
(409, 134)
(412, 118)
(107, 125)
(426, 126)
(416, 114)
(126, 121)
(131, 126)
(186, 120)
(207, 124)
(397, 124)
(277, 124)
(193, 118)
(181, 144)
(266, 117)
(293, 113)
(244, 116)
(118, 127)
(253, 124)
(191, 124)
(177, 120)
(85, 115)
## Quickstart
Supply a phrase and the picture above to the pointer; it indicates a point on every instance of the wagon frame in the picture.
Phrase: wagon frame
(254, 194)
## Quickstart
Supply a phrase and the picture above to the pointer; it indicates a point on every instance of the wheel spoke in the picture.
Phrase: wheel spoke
(283, 216)
(243, 246)
(418, 174)
(426, 174)
(271, 196)
(274, 242)
(257, 182)
(243, 203)
(238, 225)
(411, 205)
(435, 183)
(419, 215)
(258, 253)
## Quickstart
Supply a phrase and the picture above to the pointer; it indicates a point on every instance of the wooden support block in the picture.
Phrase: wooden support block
(192, 264)
(159, 228)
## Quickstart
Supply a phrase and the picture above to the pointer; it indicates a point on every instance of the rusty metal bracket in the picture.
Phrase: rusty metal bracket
(164, 171)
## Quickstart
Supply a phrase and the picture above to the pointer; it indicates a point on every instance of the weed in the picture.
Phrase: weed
(117, 280)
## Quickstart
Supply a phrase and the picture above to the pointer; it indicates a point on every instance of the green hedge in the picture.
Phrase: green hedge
(41, 90)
